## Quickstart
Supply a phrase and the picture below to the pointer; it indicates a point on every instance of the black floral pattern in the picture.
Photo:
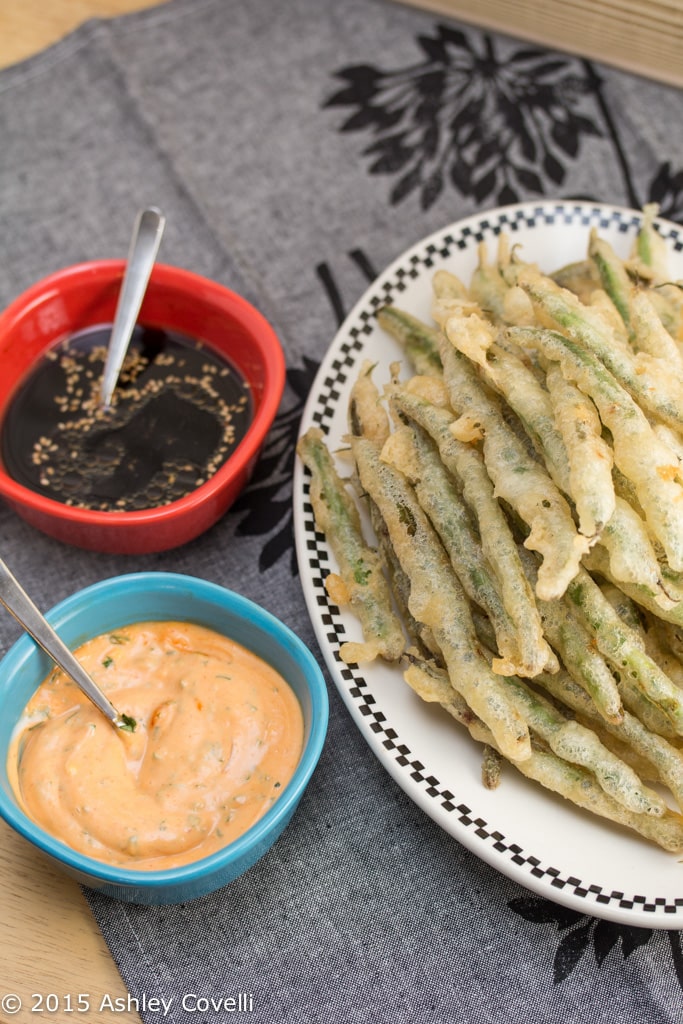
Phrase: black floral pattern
(579, 934)
(495, 127)
(265, 507)
(267, 501)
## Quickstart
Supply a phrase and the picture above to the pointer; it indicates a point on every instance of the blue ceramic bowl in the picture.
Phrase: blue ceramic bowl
(156, 596)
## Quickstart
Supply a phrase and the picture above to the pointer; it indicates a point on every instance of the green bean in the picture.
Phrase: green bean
(586, 665)
(661, 756)
(650, 247)
(597, 562)
(578, 785)
(419, 341)
(580, 277)
(650, 334)
(368, 418)
(613, 275)
(650, 382)
(632, 557)
(623, 648)
(589, 456)
(438, 600)
(446, 285)
(363, 584)
(420, 636)
(638, 452)
(488, 287)
(366, 414)
(579, 745)
(573, 643)
(508, 374)
(662, 643)
(626, 609)
(498, 544)
(433, 685)
(413, 452)
(518, 478)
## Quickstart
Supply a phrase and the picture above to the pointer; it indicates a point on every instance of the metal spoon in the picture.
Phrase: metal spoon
(20, 605)
(144, 246)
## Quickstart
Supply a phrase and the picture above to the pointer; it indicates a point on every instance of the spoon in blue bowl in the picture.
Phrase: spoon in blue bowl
(19, 604)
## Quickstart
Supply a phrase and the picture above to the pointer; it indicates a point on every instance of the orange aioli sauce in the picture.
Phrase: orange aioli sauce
(219, 734)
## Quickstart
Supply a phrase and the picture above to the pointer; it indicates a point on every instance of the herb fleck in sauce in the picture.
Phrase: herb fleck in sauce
(178, 411)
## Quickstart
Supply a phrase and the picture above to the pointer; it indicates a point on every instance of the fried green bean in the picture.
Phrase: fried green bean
(525, 490)
(649, 248)
(632, 557)
(579, 786)
(438, 600)
(577, 651)
(659, 645)
(488, 287)
(613, 275)
(585, 664)
(640, 455)
(432, 684)
(580, 277)
(508, 374)
(649, 333)
(597, 563)
(579, 745)
(623, 648)
(367, 416)
(419, 341)
(665, 760)
(412, 451)
(498, 544)
(518, 478)
(589, 456)
(648, 380)
(361, 583)
(446, 285)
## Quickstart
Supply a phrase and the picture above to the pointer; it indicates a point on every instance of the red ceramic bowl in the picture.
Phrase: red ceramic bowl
(85, 295)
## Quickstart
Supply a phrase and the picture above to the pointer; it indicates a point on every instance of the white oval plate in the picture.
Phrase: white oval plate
(533, 837)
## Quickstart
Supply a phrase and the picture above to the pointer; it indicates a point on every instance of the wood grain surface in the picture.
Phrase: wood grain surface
(28, 26)
(641, 36)
(50, 944)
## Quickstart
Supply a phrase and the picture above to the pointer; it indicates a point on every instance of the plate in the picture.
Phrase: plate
(531, 836)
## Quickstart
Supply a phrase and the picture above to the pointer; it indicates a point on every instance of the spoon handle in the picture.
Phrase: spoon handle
(144, 246)
(18, 603)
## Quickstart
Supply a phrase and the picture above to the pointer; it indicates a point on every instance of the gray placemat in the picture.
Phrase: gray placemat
(296, 149)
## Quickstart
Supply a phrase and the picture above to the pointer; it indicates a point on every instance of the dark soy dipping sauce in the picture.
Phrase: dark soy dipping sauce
(178, 411)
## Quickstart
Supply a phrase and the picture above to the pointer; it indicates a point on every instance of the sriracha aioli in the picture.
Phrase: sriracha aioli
(219, 734)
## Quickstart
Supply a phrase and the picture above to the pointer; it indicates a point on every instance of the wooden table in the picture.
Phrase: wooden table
(644, 38)
(49, 940)
(28, 26)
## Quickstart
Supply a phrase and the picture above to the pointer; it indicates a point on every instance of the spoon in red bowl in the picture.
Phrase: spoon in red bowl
(144, 246)
(19, 604)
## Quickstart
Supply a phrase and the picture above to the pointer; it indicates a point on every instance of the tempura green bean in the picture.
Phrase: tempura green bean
(438, 600)
(361, 584)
